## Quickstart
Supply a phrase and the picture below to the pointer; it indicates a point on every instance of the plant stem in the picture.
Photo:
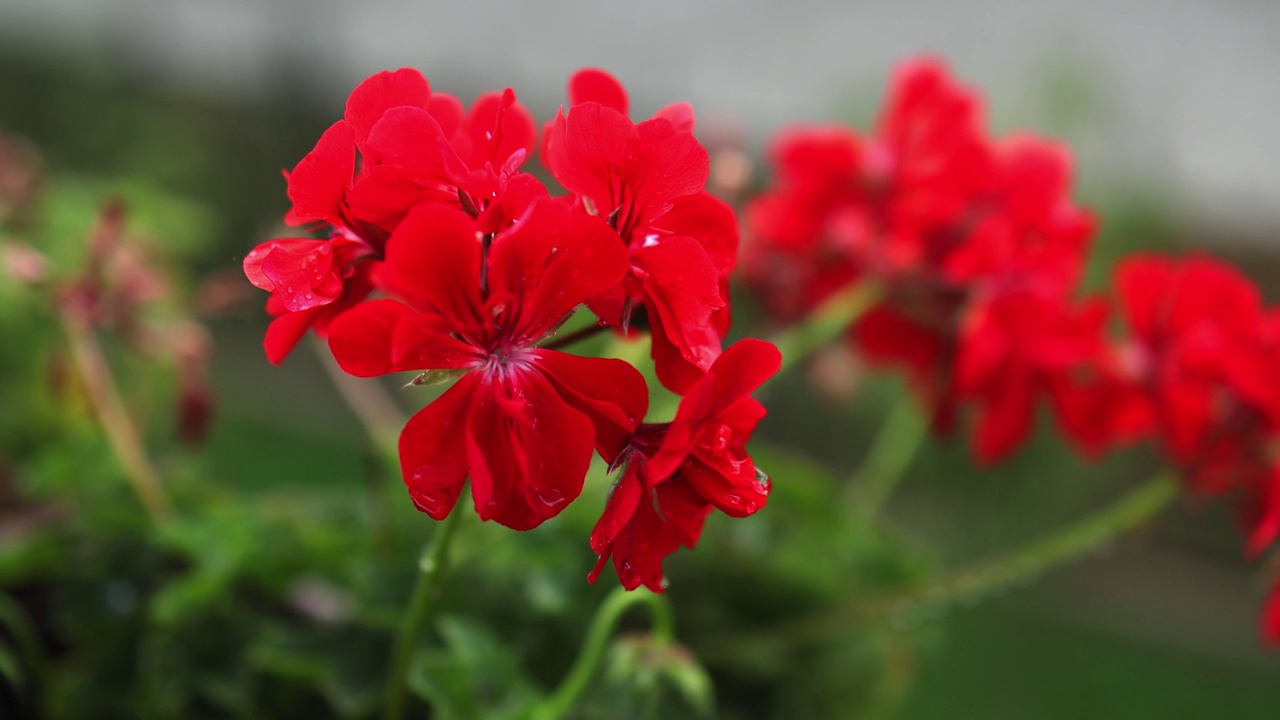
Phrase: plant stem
(582, 333)
(100, 386)
(379, 414)
(1066, 544)
(827, 321)
(891, 452)
(433, 566)
(585, 666)
(981, 578)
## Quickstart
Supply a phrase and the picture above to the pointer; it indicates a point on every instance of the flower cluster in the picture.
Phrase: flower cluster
(1196, 370)
(975, 243)
(976, 249)
(425, 202)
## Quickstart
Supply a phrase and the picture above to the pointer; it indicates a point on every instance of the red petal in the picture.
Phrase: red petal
(641, 545)
(550, 261)
(433, 453)
(680, 115)
(383, 91)
(1143, 283)
(253, 261)
(728, 482)
(410, 139)
(611, 392)
(735, 375)
(528, 451)
(385, 336)
(433, 261)
(1005, 418)
(683, 288)
(1271, 618)
(587, 146)
(284, 333)
(302, 273)
(711, 221)
(624, 500)
(596, 85)
(320, 180)
(498, 127)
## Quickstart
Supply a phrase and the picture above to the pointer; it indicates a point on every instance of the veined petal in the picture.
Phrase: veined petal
(651, 534)
(610, 392)
(433, 262)
(410, 139)
(386, 336)
(550, 261)
(433, 453)
(320, 180)
(734, 376)
(383, 91)
(596, 85)
(528, 451)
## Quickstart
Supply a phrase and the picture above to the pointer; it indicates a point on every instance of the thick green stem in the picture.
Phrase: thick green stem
(888, 458)
(433, 567)
(827, 322)
(598, 635)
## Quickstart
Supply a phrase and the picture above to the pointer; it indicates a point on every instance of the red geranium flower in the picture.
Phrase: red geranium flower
(647, 179)
(675, 473)
(521, 420)
(969, 239)
(1203, 348)
(413, 146)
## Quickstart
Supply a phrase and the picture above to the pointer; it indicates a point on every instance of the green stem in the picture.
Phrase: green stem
(585, 666)
(827, 322)
(982, 578)
(891, 452)
(1069, 543)
(125, 439)
(433, 566)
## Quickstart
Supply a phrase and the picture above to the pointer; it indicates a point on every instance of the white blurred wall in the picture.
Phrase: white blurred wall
(1182, 93)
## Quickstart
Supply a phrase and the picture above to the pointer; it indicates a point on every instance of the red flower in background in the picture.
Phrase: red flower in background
(397, 145)
(976, 244)
(647, 180)
(1204, 349)
(1271, 618)
(676, 473)
(521, 421)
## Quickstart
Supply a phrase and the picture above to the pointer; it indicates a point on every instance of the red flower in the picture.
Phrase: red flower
(1013, 350)
(976, 245)
(647, 180)
(1271, 618)
(677, 472)
(1204, 351)
(413, 147)
(521, 420)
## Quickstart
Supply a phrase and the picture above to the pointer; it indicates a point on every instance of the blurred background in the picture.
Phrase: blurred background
(189, 109)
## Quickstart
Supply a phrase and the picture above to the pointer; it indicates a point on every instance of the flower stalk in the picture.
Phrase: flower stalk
(827, 321)
(433, 566)
(104, 397)
(888, 458)
(584, 668)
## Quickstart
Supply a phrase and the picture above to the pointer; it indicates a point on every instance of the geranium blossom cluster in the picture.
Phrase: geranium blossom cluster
(473, 266)
(975, 242)
(977, 249)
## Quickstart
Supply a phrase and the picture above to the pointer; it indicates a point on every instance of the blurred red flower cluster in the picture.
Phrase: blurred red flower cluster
(424, 201)
(977, 249)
